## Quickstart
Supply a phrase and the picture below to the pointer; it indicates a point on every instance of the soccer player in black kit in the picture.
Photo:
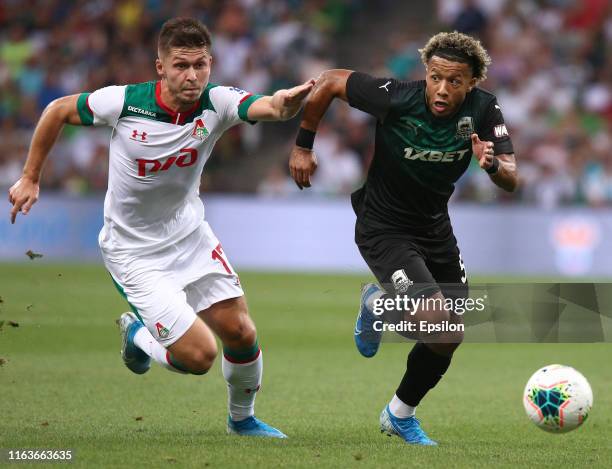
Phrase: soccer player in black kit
(426, 134)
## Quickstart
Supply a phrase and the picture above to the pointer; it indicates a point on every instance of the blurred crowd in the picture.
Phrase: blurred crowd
(551, 72)
(53, 48)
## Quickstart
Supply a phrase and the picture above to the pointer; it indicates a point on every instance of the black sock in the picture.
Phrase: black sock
(424, 368)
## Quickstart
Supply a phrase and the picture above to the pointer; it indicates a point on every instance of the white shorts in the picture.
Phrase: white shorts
(167, 288)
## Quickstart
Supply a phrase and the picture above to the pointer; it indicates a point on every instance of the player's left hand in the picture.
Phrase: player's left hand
(483, 151)
(291, 100)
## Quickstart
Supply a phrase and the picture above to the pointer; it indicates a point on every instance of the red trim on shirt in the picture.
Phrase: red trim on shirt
(245, 98)
(177, 117)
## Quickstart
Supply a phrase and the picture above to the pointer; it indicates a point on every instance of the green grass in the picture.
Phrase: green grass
(64, 386)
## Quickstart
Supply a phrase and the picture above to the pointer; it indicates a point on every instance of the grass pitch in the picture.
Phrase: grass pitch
(63, 385)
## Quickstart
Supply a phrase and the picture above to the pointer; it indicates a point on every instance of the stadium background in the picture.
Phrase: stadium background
(552, 73)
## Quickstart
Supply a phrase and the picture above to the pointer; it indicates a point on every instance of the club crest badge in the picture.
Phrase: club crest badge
(465, 128)
(199, 130)
(162, 331)
(401, 282)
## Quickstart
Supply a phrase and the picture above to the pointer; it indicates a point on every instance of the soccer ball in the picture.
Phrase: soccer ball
(558, 398)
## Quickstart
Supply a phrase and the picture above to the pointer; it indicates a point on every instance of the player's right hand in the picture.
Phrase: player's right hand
(302, 165)
(23, 194)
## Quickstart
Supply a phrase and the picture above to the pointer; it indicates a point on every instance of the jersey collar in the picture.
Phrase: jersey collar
(178, 118)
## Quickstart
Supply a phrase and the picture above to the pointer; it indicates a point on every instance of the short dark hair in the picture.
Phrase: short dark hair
(458, 47)
(183, 32)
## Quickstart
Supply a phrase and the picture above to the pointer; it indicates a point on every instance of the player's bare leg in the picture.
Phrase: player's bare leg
(193, 353)
(242, 365)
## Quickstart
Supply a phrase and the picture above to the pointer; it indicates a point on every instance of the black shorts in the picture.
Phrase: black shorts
(414, 266)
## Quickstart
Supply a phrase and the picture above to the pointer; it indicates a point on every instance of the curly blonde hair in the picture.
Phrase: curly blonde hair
(459, 47)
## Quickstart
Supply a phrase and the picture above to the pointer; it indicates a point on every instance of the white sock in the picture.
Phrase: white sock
(243, 382)
(399, 409)
(147, 343)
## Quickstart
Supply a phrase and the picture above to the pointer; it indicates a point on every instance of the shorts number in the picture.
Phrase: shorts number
(217, 255)
(462, 267)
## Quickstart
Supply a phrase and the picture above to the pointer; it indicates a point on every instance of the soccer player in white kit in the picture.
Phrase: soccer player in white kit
(161, 253)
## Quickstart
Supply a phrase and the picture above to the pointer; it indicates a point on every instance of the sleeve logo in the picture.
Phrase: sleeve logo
(500, 131)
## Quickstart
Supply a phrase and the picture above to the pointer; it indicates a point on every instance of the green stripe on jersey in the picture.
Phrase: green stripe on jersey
(244, 106)
(83, 109)
(122, 293)
(140, 102)
(205, 103)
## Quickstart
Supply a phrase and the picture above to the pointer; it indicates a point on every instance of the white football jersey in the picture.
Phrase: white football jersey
(156, 158)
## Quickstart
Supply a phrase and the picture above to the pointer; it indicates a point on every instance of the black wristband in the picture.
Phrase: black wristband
(305, 138)
(494, 167)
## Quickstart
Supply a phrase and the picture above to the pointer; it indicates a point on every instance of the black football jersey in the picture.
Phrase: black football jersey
(418, 157)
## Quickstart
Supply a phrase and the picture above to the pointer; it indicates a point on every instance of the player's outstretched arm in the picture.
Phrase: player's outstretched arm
(282, 105)
(24, 193)
(501, 168)
(303, 162)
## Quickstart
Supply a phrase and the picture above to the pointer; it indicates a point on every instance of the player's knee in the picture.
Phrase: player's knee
(456, 332)
(453, 336)
(458, 337)
(241, 332)
(432, 320)
(443, 330)
(201, 360)
(455, 339)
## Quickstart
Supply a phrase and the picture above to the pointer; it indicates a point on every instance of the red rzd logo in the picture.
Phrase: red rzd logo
(187, 157)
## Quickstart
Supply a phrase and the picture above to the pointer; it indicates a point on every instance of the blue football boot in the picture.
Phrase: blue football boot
(408, 429)
(367, 339)
(134, 358)
(252, 427)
